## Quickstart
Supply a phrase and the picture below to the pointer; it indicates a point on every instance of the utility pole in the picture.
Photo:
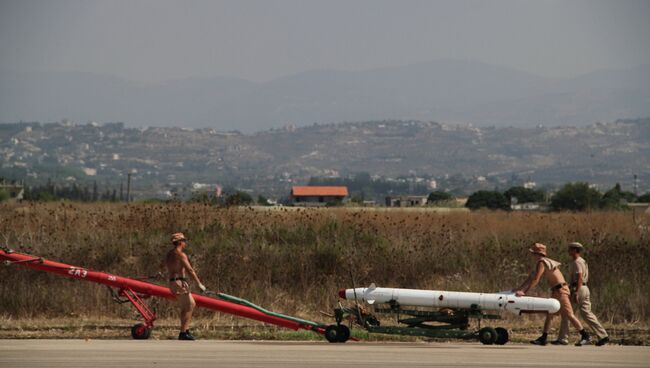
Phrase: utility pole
(128, 187)
(636, 185)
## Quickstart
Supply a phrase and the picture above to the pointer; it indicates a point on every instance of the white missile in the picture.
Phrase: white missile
(506, 301)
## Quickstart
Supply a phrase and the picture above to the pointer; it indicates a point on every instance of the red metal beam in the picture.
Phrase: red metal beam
(142, 287)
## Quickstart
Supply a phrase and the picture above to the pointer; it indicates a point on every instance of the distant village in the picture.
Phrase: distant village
(381, 164)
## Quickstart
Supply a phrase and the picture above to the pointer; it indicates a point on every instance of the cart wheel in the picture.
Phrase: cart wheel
(331, 333)
(140, 331)
(502, 336)
(342, 333)
(487, 335)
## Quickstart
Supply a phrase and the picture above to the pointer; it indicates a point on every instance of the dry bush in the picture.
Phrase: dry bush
(295, 260)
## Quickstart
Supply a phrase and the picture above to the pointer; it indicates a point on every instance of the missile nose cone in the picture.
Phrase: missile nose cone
(342, 293)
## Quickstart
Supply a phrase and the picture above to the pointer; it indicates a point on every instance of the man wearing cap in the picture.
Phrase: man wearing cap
(580, 295)
(178, 266)
(559, 290)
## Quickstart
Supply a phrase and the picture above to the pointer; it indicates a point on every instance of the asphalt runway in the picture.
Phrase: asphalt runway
(212, 353)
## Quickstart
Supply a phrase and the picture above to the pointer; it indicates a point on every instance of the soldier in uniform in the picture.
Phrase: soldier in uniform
(580, 295)
(549, 268)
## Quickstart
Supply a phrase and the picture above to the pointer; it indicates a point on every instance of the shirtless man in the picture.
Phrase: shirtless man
(178, 266)
(559, 290)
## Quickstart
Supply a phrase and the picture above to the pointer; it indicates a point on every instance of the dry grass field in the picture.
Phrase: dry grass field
(294, 261)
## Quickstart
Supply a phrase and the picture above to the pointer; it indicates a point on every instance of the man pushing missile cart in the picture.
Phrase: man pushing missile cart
(448, 315)
(549, 268)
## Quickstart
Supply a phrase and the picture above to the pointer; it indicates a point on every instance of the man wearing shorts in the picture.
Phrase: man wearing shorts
(178, 266)
(549, 268)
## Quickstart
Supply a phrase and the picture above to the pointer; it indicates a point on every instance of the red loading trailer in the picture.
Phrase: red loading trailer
(135, 290)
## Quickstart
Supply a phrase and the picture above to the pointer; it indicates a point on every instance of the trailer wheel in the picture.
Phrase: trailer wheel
(140, 331)
(487, 335)
(331, 333)
(502, 336)
(337, 333)
(342, 333)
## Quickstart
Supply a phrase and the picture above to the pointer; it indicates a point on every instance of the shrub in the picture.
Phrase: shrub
(576, 197)
(239, 198)
(438, 196)
(524, 195)
(487, 199)
(616, 198)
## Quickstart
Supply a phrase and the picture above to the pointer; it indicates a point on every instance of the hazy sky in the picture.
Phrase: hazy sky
(156, 40)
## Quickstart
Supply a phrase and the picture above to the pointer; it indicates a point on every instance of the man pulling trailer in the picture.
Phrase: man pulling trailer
(131, 290)
(178, 266)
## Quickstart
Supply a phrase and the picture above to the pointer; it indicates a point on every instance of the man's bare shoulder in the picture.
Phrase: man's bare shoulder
(179, 253)
(175, 254)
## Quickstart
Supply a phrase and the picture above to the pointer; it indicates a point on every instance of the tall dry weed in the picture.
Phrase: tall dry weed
(295, 260)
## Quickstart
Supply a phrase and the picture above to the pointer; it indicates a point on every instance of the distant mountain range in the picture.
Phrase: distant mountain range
(448, 90)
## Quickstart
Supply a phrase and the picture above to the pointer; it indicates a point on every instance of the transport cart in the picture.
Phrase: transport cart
(444, 323)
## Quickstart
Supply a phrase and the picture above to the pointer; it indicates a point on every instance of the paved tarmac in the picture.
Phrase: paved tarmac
(211, 353)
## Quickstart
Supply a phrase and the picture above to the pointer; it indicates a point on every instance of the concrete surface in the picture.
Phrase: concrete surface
(186, 354)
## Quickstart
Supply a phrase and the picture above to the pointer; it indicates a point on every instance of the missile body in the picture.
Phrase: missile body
(505, 301)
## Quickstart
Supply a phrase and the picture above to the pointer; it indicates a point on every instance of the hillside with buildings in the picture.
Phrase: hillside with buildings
(417, 155)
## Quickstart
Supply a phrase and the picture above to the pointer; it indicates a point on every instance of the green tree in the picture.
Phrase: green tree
(644, 198)
(201, 197)
(438, 196)
(576, 197)
(262, 200)
(358, 198)
(3, 195)
(493, 200)
(616, 198)
(239, 198)
(524, 195)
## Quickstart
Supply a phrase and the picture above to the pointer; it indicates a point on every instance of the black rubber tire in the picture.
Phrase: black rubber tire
(502, 336)
(332, 333)
(342, 333)
(487, 335)
(140, 332)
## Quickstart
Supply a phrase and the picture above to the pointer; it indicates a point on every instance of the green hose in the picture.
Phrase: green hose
(234, 299)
